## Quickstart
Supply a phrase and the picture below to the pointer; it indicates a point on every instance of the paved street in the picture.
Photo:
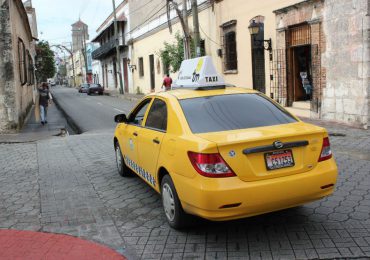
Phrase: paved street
(91, 113)
(70, 185)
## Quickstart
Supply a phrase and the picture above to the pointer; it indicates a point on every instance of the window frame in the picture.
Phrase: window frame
(137, 109)
(226, 29)
(146, 119)
(30, 69)
(141, 67)
(22, 62)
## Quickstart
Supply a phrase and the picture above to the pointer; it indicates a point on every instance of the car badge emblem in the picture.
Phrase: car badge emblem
(278, 144)
(232, 153)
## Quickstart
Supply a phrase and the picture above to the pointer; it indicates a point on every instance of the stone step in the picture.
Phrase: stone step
(299, 112)
(302, 105)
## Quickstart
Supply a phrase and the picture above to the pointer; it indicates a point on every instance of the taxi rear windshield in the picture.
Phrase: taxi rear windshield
(232, 112)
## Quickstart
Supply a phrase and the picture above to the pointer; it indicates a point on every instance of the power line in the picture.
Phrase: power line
(209, 38)
(146, 20)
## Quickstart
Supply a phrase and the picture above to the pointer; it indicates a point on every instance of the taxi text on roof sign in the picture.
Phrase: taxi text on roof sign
(197, 73)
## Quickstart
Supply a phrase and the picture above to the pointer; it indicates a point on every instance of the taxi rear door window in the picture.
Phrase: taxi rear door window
(157, 117)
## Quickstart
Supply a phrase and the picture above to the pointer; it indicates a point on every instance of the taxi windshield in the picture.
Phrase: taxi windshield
(232, 112)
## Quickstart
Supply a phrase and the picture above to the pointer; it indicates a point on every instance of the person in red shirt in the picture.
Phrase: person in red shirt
(167, 82)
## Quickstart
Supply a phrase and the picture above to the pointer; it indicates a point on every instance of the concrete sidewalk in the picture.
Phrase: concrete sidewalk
(33, 131)
(130, 97)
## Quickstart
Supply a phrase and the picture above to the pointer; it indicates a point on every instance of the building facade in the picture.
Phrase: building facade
(111, 76)
(149, 36)
(17, 77)
(311, 56)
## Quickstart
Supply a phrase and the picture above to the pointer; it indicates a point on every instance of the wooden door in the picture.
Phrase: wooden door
(125, 74)
(152, 72)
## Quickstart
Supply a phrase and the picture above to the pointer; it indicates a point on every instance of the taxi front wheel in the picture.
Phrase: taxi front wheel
(174, 213)
(123, 170)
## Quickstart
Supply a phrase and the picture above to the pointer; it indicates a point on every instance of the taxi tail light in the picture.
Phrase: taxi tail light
(210, 165)
(325, 150)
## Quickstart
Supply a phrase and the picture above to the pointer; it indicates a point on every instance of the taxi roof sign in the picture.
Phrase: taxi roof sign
(198, 73)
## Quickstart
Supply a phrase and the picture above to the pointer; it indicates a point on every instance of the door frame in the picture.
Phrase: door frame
(125, 74)
(152, 72)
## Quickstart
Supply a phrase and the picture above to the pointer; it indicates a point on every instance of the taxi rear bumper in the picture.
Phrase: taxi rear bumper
(231, 198)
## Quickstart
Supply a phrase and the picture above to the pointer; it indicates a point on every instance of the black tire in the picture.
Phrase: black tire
(176, 218)
(123, 170)
(88, 93)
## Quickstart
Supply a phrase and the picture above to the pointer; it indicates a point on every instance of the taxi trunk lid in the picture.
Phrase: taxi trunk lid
(250, 153)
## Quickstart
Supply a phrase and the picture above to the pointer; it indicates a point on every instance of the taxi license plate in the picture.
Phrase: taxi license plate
(279, 159)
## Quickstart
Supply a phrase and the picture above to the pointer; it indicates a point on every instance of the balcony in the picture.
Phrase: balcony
(106, 49)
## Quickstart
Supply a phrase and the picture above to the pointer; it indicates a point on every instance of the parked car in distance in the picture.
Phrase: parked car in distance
(95, 89)
(83, 88)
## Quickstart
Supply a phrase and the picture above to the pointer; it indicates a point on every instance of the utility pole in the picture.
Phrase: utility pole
(84, 52)
(194, 7)
(118, 62)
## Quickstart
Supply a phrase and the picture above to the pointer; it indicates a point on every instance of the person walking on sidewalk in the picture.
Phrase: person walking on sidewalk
(44, 100)
(167, 82)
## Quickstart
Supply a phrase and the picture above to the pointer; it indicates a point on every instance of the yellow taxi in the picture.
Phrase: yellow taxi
(222, 152)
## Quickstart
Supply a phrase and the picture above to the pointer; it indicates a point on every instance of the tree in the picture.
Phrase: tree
(173, 53)
(45, 63)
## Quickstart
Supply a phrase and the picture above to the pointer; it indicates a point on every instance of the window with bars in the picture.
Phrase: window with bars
(30, 68)
(229, 46)
(141, 67)
(22, 62)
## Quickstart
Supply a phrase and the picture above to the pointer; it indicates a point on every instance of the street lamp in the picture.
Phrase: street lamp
(253, 30)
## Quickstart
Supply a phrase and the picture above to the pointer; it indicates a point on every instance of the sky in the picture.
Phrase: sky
(54, 17)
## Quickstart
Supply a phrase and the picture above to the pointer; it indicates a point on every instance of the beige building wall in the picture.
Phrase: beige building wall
(243, 11)
(24, 94)
(16, 98)
(152, 44)
(210, 21)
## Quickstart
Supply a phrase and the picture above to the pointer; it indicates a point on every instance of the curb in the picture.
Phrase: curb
(70, 121)
(129, 98)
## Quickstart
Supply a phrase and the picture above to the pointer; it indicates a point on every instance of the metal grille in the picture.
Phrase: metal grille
(278, 84)
(258, 68)
(316, 78)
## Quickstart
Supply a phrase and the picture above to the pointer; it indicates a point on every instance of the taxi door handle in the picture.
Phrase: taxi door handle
(155, 140)
(135, 134)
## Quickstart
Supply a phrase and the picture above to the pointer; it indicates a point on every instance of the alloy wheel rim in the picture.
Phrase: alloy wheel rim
(118, 158)
(168, 202)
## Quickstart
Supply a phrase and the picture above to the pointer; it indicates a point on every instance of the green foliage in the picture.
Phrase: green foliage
(45, 63)
(173, 54)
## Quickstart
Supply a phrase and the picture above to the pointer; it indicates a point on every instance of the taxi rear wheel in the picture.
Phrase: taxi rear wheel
(123, 170)
(174, 213)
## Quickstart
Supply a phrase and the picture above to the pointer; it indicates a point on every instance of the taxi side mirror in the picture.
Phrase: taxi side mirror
(120, 118)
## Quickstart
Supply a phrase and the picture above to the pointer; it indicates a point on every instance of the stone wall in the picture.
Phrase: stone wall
(347, 57)
(7, 90)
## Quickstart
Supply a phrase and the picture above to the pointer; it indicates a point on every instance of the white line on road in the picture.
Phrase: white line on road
(100, 103)
(118, 110)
